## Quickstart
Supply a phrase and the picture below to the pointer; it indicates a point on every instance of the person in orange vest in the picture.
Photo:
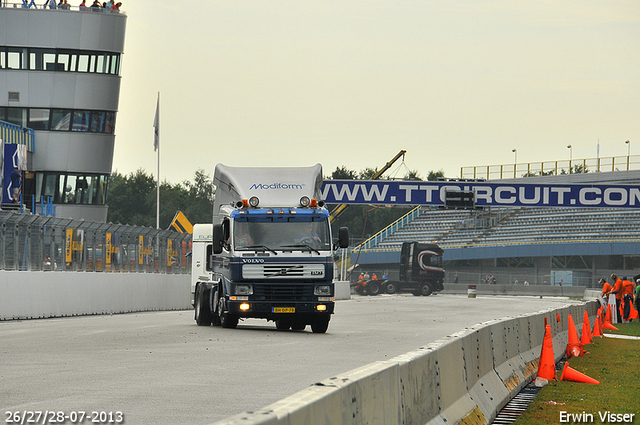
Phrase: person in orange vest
(627, 298)
(637, 292)
(617, 290)
(374, 276)
(361, 277)
(606, 288)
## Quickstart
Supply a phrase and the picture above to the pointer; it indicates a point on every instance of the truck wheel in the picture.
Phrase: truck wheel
(227, 320)
(390, 288)
(283, 325)
(320, 326)
(213, 302)
(416, 293)
(373, 288)
(202, 311)
(299, 326)
(425, 289)
(359, 290)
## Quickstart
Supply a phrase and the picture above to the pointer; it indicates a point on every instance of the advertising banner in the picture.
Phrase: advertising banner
(486, 194)
(15, 156)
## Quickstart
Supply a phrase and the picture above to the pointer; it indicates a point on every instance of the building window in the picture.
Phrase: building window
(83, 63)
(17, 116)
(80, 121)
(39, 59)
(72, 188)
(39, 119)
(60, 119)
(97, 122)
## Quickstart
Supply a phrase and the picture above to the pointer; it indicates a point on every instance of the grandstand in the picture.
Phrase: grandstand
(532, 243)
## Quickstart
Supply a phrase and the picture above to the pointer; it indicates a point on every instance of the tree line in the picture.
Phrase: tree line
(132, 200)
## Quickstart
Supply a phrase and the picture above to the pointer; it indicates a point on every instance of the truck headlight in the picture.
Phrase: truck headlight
(322, 290)
(244, 289)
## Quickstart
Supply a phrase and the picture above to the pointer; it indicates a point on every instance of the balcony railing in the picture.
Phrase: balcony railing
(551, 168)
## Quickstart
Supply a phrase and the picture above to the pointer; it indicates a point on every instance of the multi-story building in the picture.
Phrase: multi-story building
(60, 76)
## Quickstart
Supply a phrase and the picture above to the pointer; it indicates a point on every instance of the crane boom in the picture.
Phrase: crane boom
(340, 208)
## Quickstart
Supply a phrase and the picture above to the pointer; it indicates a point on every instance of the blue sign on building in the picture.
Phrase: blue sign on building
(486, 194)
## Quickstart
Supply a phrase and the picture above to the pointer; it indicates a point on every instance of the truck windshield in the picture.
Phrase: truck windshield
(248, 235)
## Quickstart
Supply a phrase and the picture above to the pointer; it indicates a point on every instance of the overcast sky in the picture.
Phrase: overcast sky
(352, 82)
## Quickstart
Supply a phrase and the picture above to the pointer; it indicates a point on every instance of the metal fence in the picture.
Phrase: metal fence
(34, 242)
(553, 168)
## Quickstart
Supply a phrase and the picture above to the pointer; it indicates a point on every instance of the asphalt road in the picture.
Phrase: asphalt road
(160, 368)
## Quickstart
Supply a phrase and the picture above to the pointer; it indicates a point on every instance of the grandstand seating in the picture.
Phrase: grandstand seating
(504, 226)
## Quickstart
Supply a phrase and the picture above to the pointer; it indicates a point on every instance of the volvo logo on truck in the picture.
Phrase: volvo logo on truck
(253, 260)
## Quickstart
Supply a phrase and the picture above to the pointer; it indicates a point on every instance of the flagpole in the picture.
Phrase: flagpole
(158, 193)
(156, 146)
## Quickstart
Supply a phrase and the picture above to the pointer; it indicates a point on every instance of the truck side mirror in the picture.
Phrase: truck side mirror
(218, 238)
(343, 237)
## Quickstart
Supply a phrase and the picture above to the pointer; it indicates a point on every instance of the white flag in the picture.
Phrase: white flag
(156, 126)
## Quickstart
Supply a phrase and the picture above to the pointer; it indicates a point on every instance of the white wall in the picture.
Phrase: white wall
(25, 295)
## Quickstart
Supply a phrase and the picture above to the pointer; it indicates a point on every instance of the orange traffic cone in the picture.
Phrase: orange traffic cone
(573, 375)
(547, 366)
(587, 338)
(597, 328)
(607, 320)
(574, 347)
(557, 317)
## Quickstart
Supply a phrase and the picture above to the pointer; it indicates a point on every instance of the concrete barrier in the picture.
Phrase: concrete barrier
(30, 295)
(464, 378)
(342, 290)
(528, 290)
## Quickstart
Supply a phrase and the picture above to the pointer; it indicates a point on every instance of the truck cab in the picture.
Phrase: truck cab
(421, 263)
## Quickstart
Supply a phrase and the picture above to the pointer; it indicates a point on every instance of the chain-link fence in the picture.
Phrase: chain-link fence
(35, 242)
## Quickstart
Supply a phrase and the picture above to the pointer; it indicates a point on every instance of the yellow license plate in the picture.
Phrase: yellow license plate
(284, 309)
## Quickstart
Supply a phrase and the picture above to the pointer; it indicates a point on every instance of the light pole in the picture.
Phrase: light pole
(515, 161)
(628, 143)
(570, 158)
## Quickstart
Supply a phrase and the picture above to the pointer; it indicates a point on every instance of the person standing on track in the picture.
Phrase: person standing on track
(627, 299)
(617, 290)
(637, 291)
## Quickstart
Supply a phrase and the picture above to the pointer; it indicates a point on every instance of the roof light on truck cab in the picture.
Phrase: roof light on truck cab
(314, 203)
(305, 201)
(254, 201)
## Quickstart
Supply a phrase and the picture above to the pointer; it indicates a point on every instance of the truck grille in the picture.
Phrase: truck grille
(283, 292)
(283, 271)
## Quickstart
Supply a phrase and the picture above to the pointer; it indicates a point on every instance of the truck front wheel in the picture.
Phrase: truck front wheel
(227, 320)
(202, 311)
(320, 325)
(426, 289)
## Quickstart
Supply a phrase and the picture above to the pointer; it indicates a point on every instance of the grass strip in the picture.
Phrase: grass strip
(616, 364)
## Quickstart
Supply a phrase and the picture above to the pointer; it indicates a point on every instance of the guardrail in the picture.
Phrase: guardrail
(31, 4)
(389, 230)
(466, 378)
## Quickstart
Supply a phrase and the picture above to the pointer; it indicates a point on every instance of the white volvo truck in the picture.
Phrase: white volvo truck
(269, 253)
